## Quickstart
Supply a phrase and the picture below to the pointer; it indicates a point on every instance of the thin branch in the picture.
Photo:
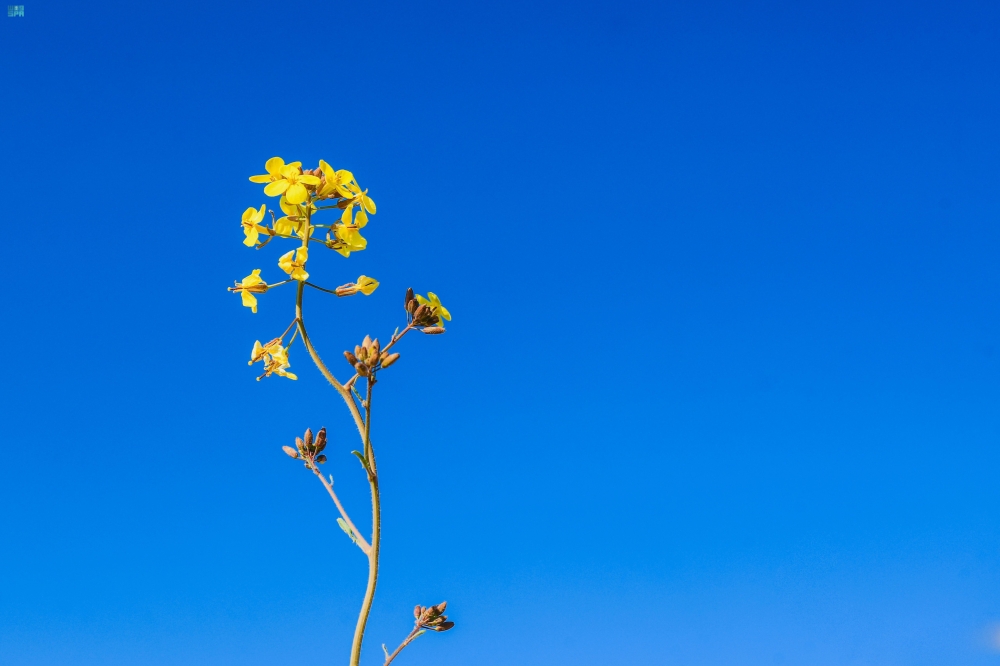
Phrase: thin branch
(329, 291)
(362, 543)
(409, 639)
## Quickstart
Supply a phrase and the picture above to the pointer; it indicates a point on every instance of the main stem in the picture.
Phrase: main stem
(366, 604)
(364, 428)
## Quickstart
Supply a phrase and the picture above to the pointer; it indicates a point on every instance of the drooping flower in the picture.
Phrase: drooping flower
(251, 284)
(335, 182)
(350, 236)
(274, 356)
(360, 198)
(434, 303)
(286, 179)
(295, 267)
(251, 224)
(365, 285)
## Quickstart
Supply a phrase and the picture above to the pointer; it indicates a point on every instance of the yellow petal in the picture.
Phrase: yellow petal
(273, 166)
(251, 235)
(258, 215)
(309, 180)
(285, 262)
(249, 300)
(369, 204)
(276, 188)
(443, 312)
(361, 218)
(290, 170)
(296, 193)
(265, 178)
(346, 215)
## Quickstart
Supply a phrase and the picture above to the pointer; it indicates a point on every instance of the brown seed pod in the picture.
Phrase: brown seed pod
(351, 358)
(309, 437)
(433, 330)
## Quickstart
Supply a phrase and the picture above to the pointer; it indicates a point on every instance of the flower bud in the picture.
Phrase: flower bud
(433, 330)
(321, 459)
(351, 358)
(309, 437)
(290, 451)
(390, 359)
(417, 610)
(299, 444)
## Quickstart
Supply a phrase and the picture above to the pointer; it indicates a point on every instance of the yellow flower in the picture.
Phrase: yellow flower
(295, 218)
(251, 284)
(286, 179)
(365, 285)
(273, 167)
(296, 267)
(361, 199)
(335, 182)
(434, 303)
(251, 224)
(350, 236)
(274, 356)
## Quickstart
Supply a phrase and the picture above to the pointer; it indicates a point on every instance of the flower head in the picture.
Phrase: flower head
(335, 183)
(295, 267)
(251, 224)
(433, 303)
(294, 219)
(286, 179)
(274, 356)
(347, 239)
(251, 284)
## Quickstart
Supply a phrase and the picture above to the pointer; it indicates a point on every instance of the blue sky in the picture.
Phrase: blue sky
(721, 385)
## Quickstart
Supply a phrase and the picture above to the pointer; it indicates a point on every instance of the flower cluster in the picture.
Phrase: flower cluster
(308, 448)
(432, 617)
(304, 193)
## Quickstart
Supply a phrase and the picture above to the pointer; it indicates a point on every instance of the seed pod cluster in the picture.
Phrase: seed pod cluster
(368, 356)
(309, 448)
(432, 617)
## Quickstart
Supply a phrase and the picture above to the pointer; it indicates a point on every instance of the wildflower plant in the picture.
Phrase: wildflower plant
(304, 193)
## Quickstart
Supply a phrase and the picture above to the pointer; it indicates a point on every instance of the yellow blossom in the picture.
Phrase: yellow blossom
(286, 179)
(350, 237)
(336, 182)
(362, 199)
(294, 219)
(365, 285)
(274, 356)
(251, 284)
(273, 167)
(296, 267)
(251, 224)
(434, 303)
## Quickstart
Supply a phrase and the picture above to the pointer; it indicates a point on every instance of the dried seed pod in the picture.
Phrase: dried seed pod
(321, 459)
(389, 360)
(351, 358)
(433, 330)
(290, 451)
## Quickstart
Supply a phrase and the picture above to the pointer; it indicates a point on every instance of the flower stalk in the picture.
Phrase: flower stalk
(301, 191)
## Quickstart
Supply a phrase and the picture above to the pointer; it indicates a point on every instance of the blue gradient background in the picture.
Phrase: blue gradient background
(722, 384)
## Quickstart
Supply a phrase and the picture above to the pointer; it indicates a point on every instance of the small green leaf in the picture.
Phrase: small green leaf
(420, 633)
(364, 461)
(347, 530)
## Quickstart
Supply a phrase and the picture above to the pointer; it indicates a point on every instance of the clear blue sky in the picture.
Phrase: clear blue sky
(722, 384)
